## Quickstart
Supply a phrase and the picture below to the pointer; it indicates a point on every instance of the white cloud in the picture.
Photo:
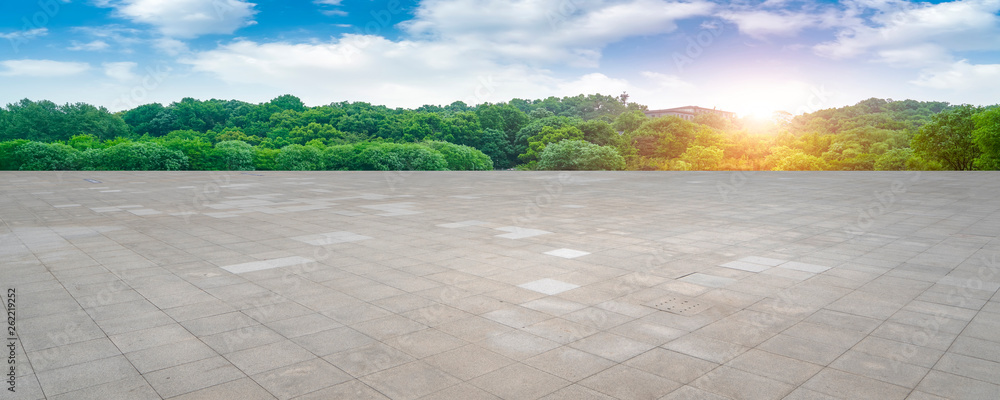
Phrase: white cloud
(42, 68)
(95, 45)
(24, 35)
(472, 50)
(171, 47)
(664, 81)
(327, 7)
(188, 18)
(962, 75)
(760, 24)
(545, 31)
(120, 71)
(399, 74)
(964, 25)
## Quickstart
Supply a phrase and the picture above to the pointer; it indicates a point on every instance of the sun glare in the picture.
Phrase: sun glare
(761, 101)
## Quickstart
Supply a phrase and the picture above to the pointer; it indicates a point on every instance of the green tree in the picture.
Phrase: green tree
(580, 155)
(194, 145)
(548, 134)
(296, 157)
(599, 132)
(234, 155)
(783, 158)
(35, 156)
(702, 158)
(265, 159)
(666, 137)
(948, 139)
(461, 158)
(893, 160)
(7, 151)
(497, 147)
(135, 156)
(629, 121)
(987, 137)
(288, 102)
(84, 142)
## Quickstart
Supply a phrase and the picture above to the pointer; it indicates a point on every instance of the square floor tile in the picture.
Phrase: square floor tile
(520, 233)
(804, 267)
(266, 264)
(410, 381)
(567, 253)
(548, 286)
(531, 383)
(708, 280)
(745, 266)
(323, 239)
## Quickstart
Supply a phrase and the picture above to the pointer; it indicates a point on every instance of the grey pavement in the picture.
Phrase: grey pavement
(511, 285)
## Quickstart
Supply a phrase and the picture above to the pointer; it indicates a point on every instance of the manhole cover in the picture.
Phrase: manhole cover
(679, 305)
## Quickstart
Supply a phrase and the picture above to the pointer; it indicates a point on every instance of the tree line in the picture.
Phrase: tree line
(585, 132)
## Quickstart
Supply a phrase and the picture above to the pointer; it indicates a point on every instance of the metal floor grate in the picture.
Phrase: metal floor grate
(679, 305)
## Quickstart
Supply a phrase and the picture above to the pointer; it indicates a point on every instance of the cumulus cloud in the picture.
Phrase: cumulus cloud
(546, 31)
(188, 18)
(120, 71)
(965, 25)
(473, 50)
(361, 67)
(961, 75)
(760, 24)
(42, 68)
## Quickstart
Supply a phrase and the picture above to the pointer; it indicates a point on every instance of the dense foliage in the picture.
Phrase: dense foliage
(586, 132)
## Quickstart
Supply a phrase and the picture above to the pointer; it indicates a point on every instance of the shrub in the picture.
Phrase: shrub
(7, 150)
(296, 157)
(234, 155)
(461, 158)
(580, 155)
(135, 156)
(35, 156)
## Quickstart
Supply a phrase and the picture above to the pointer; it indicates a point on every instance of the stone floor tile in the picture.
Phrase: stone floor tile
(739, 384)
(302, 378)
(410, 381)
(531, 383)
(468, 362)
(850, 386)
(569, 363)
(190, 377)
(626, 382)
(773, 366)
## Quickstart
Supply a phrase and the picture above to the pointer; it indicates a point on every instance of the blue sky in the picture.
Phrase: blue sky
(750, 56)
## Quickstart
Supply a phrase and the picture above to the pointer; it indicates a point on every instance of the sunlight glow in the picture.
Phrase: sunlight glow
(760, 100)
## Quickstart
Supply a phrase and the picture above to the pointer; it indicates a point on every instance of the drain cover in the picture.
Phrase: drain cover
(679, 305)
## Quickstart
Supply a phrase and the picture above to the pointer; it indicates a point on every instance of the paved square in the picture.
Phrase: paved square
(325, 285)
